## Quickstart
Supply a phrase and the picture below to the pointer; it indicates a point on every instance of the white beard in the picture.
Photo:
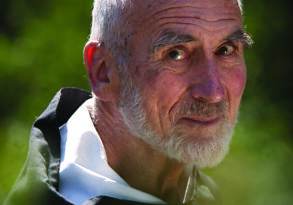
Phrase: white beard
(201, 153)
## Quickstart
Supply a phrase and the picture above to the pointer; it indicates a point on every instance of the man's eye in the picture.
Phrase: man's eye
(177, 54)
(225, 50)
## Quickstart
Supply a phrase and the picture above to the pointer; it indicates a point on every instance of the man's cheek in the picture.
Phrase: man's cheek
(240, 78)
(165, 87)
(235, 83)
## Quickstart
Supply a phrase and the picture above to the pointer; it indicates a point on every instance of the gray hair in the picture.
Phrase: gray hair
(105, 17)
(106, 25)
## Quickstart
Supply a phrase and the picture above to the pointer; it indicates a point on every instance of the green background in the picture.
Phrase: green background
(41, 45)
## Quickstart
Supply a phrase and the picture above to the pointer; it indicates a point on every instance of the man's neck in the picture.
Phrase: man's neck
(136, 162)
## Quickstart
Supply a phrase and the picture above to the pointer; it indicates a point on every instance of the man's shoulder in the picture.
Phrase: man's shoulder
(38, 181)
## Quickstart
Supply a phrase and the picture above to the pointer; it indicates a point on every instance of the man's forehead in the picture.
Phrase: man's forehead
(146, 13)
(153, 4)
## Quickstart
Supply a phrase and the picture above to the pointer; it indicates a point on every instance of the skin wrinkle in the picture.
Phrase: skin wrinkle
(190, 20)
(163, 24)
(229, 99)
(181, 7)
(200, 25)
(150, 20)
(198, 108)
(168, 24)
(155, 75)
(162, 127)
(156, 16)
(195, 17)
(168, 115)
(173, 107)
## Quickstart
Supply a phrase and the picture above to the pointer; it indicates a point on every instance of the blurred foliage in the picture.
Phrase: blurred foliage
(41, 45)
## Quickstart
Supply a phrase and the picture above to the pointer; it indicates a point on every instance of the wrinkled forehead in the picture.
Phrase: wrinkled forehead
(197, 3)
(142, 10)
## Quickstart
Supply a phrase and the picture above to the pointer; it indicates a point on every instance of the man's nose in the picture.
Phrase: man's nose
(208, 86)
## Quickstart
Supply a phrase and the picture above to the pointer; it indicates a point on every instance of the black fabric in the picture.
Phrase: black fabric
(38, 181)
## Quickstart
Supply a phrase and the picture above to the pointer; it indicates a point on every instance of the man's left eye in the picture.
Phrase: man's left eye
(177, 54)
(225, 50)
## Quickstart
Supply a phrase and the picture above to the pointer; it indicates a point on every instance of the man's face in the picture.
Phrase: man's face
(186, 75)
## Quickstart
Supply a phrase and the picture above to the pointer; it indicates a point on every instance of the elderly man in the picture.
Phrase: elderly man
(167, 79)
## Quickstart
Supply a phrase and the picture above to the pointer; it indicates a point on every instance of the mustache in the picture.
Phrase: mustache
(202, 109)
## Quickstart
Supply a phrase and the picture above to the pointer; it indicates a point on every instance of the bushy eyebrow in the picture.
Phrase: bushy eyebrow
(242, 36)
(170, 38)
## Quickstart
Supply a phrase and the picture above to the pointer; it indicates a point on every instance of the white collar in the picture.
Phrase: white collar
(84, 170)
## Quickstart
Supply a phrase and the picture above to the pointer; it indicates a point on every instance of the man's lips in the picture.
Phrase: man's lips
(198, 120)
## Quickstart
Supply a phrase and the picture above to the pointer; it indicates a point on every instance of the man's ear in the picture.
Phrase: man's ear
(100, 73)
